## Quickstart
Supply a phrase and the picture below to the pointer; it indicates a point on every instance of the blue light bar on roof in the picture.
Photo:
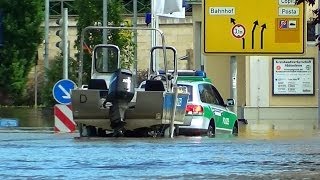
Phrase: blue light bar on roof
(201, 74)
(197, 73)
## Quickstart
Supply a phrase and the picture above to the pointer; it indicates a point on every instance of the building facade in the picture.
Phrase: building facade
(259, 101)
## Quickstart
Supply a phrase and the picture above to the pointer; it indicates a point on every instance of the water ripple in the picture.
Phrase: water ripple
(50, 157)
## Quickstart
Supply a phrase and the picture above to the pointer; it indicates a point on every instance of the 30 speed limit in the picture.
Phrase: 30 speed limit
(238, 31)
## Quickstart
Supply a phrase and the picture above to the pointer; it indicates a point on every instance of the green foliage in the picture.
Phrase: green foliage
(22, 34)
(142, 74)
(91, 13)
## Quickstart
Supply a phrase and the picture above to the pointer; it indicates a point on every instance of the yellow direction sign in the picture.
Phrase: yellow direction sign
(253, 27)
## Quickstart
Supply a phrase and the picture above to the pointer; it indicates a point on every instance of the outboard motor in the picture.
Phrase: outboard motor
(121, 92)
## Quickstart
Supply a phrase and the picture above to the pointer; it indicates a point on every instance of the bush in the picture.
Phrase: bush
(142, 75)
(53, 75)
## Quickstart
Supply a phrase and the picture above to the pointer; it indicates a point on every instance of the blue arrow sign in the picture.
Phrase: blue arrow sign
(61, 91)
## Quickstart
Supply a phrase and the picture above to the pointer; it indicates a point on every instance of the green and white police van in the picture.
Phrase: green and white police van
(206, 111)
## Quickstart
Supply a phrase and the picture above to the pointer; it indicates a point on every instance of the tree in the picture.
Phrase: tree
(316, 20)
(53, 75)
(310, 2)
(22, 34)
(90, 13)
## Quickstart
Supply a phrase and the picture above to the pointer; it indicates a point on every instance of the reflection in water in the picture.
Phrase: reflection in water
(29, 117)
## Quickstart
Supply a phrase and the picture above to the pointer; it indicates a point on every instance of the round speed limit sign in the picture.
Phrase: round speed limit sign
(238, 31)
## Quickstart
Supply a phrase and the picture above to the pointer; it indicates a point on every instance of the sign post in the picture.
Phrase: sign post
(253, 27)
(318, 32)
(293, 76)
(62, 91)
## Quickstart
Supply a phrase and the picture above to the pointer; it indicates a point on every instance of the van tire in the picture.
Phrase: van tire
(235, 129)
(211, 129)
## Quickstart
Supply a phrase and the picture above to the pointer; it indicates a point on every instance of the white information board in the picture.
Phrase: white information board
(293, 76)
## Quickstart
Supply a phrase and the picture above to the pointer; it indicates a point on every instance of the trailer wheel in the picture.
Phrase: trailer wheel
(80, 127)
(176, 130)
(91, 131)
(101, 132)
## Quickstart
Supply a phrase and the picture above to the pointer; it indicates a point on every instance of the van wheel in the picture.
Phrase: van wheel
(235, 129)
(176, 130)
(211, 129)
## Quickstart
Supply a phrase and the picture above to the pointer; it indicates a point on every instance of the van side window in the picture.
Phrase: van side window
(217, 95)
(206, 94)
(201, 93)
(209, 94)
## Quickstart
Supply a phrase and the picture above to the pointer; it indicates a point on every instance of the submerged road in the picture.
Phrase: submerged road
(45, 155)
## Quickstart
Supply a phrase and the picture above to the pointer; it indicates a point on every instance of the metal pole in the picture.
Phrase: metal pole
(61, 7)
(233, 89)
(135, 40)
(318, 32)
(35, 87)
(153, 33)
(65, 42)
(46, 36)
(174, 109)
(105, 35)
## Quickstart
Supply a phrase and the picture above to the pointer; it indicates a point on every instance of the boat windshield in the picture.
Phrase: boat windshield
(106, 59)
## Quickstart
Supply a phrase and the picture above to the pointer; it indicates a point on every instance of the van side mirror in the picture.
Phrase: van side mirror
(230, 102)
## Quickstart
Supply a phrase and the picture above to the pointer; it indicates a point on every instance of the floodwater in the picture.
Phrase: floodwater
(45, 155)
(29, 117)
(38, 153)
